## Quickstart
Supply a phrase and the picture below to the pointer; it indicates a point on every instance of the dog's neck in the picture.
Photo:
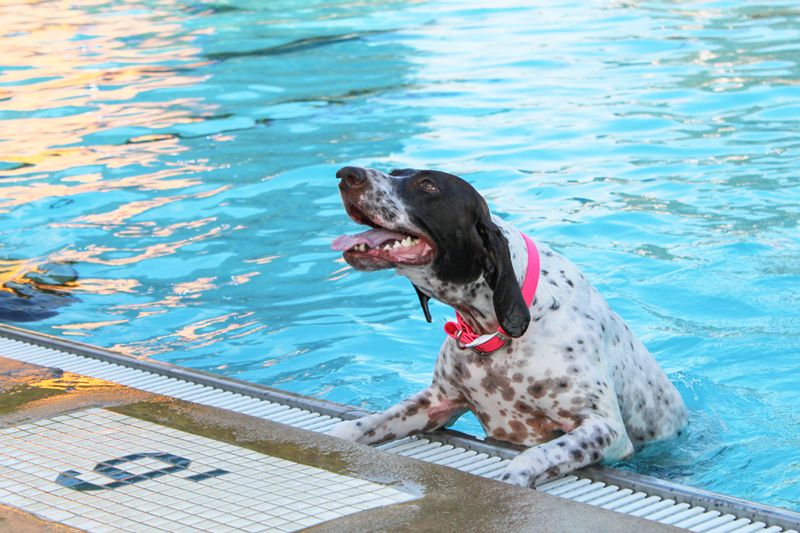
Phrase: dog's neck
(473, 300)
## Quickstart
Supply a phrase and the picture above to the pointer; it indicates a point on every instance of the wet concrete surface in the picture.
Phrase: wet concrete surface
(450, 500)
(16, 521)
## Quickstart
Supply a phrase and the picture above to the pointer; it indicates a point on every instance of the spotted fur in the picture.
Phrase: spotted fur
(576, 388)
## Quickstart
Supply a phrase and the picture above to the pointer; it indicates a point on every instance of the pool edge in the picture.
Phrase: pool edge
(710, 501)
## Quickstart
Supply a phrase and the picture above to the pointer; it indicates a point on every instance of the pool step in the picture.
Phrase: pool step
(624, 492)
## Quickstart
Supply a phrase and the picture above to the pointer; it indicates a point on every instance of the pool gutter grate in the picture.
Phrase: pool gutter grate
(625, 492)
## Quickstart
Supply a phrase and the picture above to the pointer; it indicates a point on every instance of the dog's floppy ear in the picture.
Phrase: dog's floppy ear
(509, 305)
(423, 302)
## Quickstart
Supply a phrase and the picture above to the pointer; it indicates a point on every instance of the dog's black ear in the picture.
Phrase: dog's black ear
(509, 305)
(423, 302)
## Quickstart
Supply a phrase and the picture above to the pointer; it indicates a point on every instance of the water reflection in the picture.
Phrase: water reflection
(31, 291)
(92, 84)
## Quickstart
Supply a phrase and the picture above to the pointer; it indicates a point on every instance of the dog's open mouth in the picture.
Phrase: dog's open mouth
(382, 247)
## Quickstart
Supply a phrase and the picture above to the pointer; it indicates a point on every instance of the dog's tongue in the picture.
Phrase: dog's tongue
(372, 238)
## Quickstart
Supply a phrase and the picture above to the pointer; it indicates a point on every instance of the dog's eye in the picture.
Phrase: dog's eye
(427, 185)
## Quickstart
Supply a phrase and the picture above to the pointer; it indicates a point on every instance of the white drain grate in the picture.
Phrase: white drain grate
(632, 494)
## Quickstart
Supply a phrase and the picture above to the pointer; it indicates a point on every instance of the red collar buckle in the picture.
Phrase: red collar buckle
(484, 344)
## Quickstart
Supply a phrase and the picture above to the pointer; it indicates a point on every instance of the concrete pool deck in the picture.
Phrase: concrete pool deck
(54, 422)
(118, 440)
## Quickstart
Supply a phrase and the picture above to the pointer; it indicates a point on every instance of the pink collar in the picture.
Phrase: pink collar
(486, 344)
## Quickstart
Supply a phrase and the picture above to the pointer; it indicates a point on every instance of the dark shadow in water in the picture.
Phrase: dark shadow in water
(35, 294)
(300, 45)
(202, 8)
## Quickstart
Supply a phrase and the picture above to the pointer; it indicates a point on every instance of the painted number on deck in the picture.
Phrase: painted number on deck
(110, 468)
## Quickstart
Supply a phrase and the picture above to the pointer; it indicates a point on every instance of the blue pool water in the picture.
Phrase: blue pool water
(167, 188)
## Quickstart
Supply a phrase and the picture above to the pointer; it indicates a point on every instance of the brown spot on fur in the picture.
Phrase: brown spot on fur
(537, 389)
(569, 415)
(462, 371)
(431, 425)
(494, 382)
(517, 377)
(523, 407)
(499, 433)
(520, 432)
(544, 428)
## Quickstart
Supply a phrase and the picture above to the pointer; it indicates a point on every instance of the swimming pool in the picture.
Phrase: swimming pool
(167, 189)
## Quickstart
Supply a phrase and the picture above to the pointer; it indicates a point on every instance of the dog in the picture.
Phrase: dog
(557, 371)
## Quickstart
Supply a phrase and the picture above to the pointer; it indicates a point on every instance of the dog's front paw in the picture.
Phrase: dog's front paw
(517, 475)
(347, 430)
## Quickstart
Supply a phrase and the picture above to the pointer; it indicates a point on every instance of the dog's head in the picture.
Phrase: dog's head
(437, 223)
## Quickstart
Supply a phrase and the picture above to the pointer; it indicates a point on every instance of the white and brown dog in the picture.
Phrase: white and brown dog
(560, 373)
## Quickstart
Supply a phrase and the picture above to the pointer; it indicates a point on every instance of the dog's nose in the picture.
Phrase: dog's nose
(352, 177)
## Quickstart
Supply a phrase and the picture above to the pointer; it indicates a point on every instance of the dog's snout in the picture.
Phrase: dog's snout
(352, 177)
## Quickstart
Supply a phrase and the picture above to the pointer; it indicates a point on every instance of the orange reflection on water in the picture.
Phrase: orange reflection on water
(193, 336)
(86, 63)
(155, 181)
(192, 288)
(262, 260)
(95, 253)
(77, 329)
(32, 143)
(16, 274)
(241, 279)
(13, 272)
(26, 273)
(340, 273)
(181, 292)
(120, 215)
(105, 286)
(81, 92)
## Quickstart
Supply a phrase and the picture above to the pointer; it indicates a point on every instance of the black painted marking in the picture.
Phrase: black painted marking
(207, 475)
(71, 478)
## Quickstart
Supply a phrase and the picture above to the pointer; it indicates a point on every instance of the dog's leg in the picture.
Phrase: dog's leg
(593, 440)
(425, 411)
